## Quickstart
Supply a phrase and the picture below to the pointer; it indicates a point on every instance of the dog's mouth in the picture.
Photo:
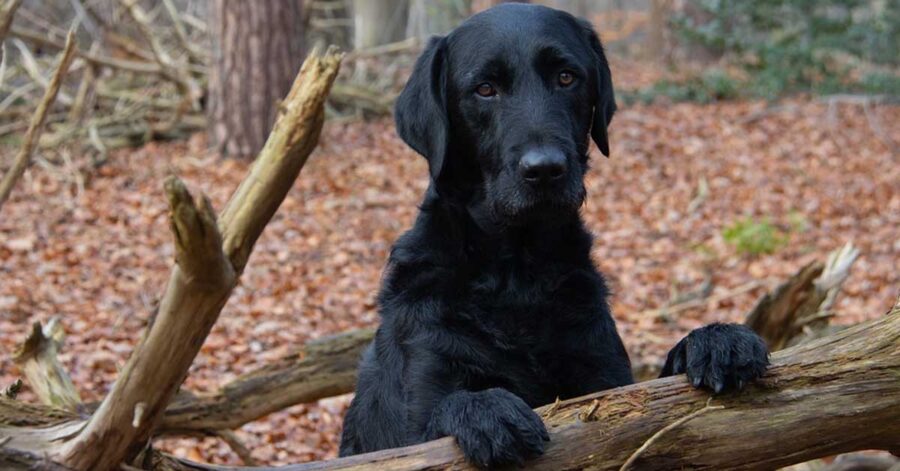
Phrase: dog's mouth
(546, 207)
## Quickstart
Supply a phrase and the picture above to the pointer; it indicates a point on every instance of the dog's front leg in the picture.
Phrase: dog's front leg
(493, 427)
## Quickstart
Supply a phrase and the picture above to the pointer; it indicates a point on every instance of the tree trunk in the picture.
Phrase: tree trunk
(377, 22)
(658, 46)
(257, 50)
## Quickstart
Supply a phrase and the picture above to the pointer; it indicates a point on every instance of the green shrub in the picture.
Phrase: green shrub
(754, 238)
(802, 45)
(713, 85)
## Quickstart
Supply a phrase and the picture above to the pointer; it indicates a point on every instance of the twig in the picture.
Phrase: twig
(39, 21)
(19, 126)
(7, 12)
(399, 46)
(37, 121)
(237, 446)
(16, 94)
(552, 409)
(2, 62)
(83, 94)
(186, 85)
(675, 308)
(29, 63)
(650, 441)
(44, 40)
(195, 22)
(181, 33)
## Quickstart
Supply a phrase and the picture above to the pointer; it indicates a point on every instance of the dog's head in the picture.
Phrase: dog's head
(502, 108)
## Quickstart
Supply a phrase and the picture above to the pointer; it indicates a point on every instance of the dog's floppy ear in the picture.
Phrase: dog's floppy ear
(421, 110)
(605, 105)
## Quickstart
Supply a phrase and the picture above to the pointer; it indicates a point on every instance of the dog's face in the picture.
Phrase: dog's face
(503, 108)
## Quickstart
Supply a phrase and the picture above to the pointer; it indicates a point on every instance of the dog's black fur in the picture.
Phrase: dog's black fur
(491, 305)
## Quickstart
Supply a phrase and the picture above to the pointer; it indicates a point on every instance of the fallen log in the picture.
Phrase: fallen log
(834, 395)
(323, 368)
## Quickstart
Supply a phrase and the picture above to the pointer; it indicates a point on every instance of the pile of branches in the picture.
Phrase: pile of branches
(140, 74)
(137, 75)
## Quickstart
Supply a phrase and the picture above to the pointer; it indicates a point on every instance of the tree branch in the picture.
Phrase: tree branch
(7, 12)
(323, 368)
(208, 265)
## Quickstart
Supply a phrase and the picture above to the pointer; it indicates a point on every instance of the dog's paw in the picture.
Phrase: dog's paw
(494, 428)
(719, 357)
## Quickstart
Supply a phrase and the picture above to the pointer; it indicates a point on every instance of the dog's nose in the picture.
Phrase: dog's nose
(540, 166)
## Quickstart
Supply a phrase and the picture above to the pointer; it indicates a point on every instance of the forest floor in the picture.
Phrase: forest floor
(93, 246)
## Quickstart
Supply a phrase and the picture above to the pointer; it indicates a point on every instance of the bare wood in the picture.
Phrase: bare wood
(197, 290)
(46, 376)
(210, 258)
(629, 463)
(37, 122)
(284, 154)
(773, 315)
(797, 310)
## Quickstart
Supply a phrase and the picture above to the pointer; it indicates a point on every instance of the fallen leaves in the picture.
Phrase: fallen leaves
(99, 257)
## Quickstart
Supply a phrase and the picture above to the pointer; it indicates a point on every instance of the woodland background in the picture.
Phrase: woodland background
(752, 138)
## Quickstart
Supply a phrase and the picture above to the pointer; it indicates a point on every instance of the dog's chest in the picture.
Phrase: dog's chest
(522, 320)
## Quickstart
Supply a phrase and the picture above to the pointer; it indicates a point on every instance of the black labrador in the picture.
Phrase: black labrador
(491, 305)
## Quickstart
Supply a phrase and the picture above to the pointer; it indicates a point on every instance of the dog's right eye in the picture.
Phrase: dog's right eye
(486, 90)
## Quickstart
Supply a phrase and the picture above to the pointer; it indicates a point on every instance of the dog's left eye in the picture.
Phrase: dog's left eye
(486, 90)
(566, 78)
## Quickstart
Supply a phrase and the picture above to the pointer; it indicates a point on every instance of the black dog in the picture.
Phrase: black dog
(490, 304)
